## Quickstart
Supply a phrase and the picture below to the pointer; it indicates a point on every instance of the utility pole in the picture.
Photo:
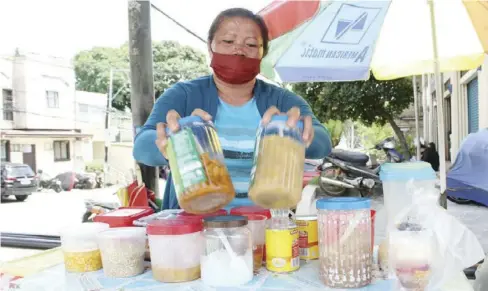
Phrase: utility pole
(142, 79)
(108, 139)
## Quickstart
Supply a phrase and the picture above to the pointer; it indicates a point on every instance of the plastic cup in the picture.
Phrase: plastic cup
(257, 225)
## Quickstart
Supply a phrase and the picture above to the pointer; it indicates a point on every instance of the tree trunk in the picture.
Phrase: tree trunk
(400, 135)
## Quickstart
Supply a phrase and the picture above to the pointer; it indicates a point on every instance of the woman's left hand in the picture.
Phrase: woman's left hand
(293, 117)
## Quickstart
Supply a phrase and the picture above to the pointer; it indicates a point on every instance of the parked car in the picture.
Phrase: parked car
(18, 180)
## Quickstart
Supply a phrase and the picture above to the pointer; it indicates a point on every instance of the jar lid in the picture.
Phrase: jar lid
(227, 221)
(343, 203)
(255, 217)
(174, 226)
(405, 171)
(252, 209)
(284, 118)
(86, 229)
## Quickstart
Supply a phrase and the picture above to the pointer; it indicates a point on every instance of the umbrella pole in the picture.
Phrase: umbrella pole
(416, 104)
(440, 106)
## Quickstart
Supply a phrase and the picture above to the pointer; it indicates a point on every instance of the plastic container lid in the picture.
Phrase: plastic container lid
(186, 120)
(174, 226)
(406, 171)
(227, 221)
(124, 216)
(343, 203)
(122, 233)
(254, 217)
(253, 209)
(82, 237)
(221, 212)
(284, 118)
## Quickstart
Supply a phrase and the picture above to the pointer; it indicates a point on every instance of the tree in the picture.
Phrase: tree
(172, 62)
(369, 101)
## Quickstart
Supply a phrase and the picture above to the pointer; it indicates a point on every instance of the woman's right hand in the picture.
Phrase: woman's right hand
(172, 123)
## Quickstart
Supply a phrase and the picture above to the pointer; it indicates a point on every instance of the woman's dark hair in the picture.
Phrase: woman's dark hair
(244, 13)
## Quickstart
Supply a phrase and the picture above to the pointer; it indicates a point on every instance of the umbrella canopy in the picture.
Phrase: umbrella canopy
(345, 40)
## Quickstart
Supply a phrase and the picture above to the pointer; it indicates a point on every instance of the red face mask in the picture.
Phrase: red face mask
(235, 69)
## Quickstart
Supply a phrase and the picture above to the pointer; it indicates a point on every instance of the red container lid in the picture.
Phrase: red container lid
(202, 216)
(174, 226)
(124, 216)
(243, 210)
(253, 216)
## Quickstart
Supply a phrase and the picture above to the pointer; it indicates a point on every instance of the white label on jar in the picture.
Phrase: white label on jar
(295, 262)
(124, 212)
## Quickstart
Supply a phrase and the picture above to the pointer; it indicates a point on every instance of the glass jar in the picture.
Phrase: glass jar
(279, 157)
(80, 247)
(122, 251)
(282, 243)
(176, 247)
(200, 177)
(344, 225)
(228, 257)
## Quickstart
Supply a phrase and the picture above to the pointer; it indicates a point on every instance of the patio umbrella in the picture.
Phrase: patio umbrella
(317, 41)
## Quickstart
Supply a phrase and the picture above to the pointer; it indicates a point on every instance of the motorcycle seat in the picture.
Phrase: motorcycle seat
(355, 158)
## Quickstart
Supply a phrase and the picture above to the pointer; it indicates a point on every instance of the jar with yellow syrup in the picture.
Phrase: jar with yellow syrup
(80, 247)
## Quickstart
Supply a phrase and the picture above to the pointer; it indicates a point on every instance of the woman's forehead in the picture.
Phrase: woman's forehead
(239, 25)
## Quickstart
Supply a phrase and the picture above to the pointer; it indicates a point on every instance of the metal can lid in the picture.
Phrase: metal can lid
(227, 221)
(306, 217)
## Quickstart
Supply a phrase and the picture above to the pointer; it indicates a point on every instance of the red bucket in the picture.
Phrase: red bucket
(373, 215)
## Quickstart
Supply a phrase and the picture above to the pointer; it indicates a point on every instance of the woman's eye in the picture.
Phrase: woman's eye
(252, 45)
(228, 41)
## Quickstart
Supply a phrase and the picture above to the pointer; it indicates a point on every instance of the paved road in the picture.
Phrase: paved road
(48, 212)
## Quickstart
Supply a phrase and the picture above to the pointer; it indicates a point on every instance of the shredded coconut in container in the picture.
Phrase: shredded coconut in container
(220, 269)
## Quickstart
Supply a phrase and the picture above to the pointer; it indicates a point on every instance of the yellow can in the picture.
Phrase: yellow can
(308, 237)
(282, 250)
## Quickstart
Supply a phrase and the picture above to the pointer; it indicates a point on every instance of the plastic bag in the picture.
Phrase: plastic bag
(445, 245)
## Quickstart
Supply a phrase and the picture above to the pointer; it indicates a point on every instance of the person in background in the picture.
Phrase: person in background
(233, 99)
(431, 156)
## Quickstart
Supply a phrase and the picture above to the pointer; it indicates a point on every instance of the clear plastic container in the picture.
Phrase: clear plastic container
(345, 241)
(122, 251)
(279, 157)
(411, 254)
(228, 257)
(397, 180)
(257, 226)
(176, 247)
(200, 176)
(80, 247)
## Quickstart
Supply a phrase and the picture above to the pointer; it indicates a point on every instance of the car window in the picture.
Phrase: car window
(20, 171)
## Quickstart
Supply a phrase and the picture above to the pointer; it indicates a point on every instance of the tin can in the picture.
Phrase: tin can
(308, 237)
(282, 250)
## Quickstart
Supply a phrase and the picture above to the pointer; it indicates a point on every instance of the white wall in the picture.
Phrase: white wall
(90, 115)
(5, 83)
(483, 97)
(121, 162)
(33, 75)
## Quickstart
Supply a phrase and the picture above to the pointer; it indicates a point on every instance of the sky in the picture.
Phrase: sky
(64, 27)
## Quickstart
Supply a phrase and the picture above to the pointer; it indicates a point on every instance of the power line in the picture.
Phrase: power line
(178, 23)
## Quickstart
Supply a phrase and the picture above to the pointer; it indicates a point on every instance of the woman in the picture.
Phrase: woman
(233, 99)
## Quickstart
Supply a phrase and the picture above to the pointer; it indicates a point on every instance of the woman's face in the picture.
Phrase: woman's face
(238, 36)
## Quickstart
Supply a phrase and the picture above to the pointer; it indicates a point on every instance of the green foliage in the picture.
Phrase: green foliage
(93, 167)
(369, 101)
(335, 128)
(172, 62)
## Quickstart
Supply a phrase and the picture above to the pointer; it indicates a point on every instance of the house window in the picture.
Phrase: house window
(61, 151)
(5, 151)
(52, 98)
(8, 108)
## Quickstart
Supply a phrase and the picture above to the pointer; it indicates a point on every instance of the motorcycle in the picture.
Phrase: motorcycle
(388, 146)
(345, 171)
(84, 181)
(46, 182)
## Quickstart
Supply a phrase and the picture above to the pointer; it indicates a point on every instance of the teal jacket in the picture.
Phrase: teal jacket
(184, 97)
